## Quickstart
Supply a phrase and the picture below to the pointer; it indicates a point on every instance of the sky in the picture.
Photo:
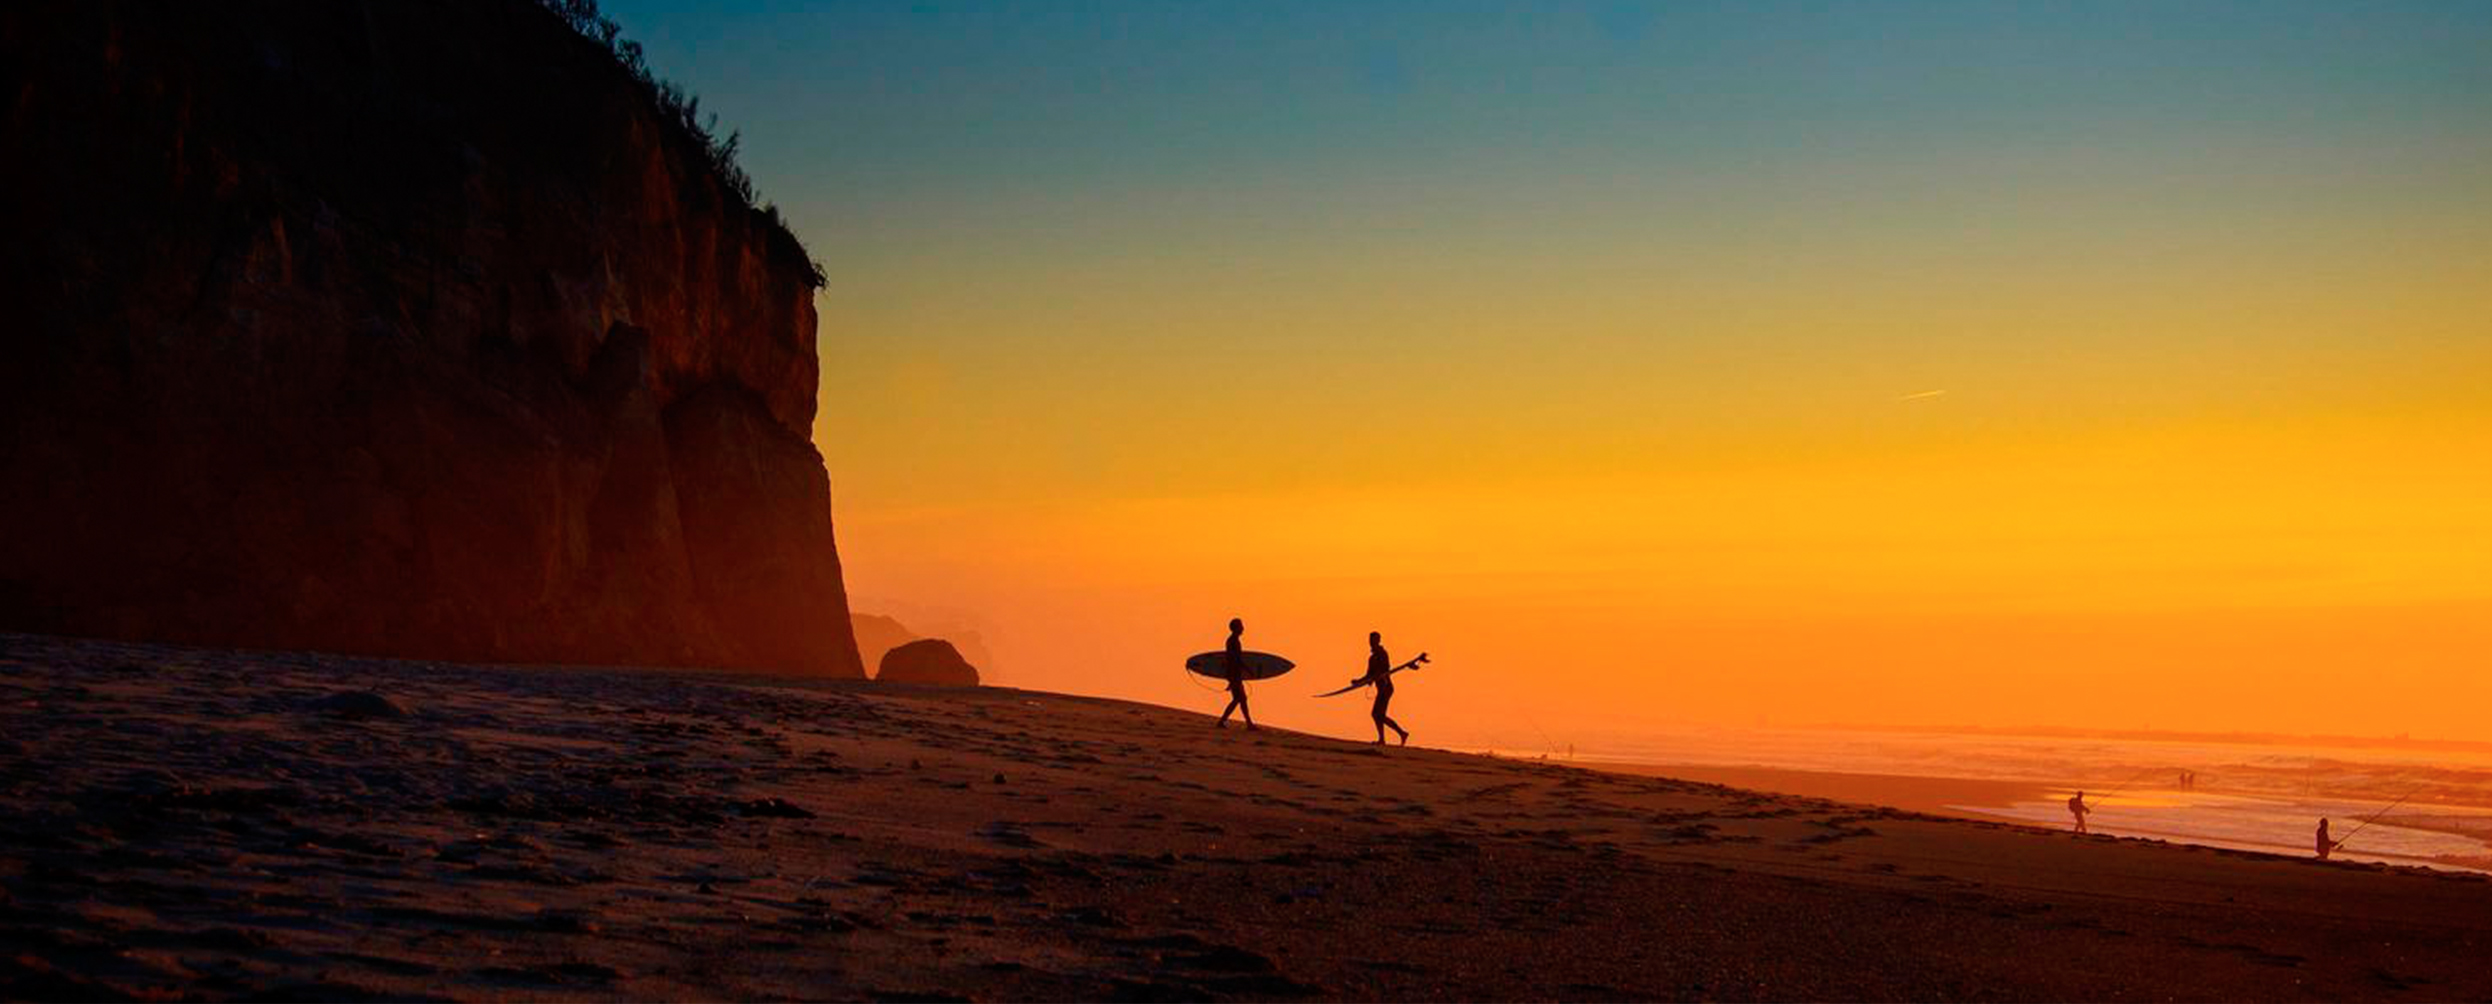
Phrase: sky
(2123, 365)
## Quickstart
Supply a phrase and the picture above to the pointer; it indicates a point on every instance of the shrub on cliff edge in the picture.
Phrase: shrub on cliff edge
(681, 110)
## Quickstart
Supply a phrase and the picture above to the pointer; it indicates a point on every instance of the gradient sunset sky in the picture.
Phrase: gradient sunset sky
(2067, 364)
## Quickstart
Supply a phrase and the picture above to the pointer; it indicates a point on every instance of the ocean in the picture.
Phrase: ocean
(2425, 804)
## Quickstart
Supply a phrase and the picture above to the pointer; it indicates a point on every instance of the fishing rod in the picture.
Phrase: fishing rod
(2401, 799)
(1546, 743)
(2125, 785)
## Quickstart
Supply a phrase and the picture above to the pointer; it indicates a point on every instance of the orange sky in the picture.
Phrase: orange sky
(2192, 481)
(2305, 576)
(2123, 366)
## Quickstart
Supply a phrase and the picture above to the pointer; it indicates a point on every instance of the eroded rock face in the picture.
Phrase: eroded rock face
(400, 327)
(927, 660)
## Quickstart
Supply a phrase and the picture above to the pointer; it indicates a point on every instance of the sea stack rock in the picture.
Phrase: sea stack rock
(927, 660)
(877, 634)
(421, 328)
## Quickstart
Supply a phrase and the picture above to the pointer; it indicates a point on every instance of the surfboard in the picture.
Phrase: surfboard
(1365, 681)
(1258, 665)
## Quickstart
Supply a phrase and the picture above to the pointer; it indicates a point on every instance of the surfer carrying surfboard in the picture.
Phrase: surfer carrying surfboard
(1233, 669)
(1380, 670)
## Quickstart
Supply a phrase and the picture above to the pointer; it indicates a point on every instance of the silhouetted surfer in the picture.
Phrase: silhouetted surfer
(1380, 670)
(2078, 808)
(1234, 669)
(2326, 846)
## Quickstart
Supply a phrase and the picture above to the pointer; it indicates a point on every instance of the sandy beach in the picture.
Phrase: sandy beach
(216, 824)
(1942, 796)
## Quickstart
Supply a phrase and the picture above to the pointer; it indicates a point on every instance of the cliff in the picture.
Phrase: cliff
(410, 327)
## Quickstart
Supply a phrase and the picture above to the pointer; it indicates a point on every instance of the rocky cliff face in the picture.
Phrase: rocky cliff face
(396, 326)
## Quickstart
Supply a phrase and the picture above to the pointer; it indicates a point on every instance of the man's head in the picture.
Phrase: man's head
(1375, 639)
(1237, 626)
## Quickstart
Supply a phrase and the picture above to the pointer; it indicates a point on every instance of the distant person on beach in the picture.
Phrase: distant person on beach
(2078, 808)
(2326, 846)
(1234, 668)
(1380, 670)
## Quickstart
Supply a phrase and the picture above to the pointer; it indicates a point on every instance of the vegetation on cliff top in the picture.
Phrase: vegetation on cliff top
(681, 110)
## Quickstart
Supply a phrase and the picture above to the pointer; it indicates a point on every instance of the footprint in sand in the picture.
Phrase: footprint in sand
(1008, 834)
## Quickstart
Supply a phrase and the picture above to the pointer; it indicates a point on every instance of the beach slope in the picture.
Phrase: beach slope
(189, 822)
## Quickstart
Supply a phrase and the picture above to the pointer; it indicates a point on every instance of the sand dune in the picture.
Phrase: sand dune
(227, 824)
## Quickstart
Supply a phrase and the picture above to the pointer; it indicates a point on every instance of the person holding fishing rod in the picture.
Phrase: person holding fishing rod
(2327, 847)
(2080, 808)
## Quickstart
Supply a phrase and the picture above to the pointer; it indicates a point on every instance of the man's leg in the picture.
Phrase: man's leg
(1225, 712)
